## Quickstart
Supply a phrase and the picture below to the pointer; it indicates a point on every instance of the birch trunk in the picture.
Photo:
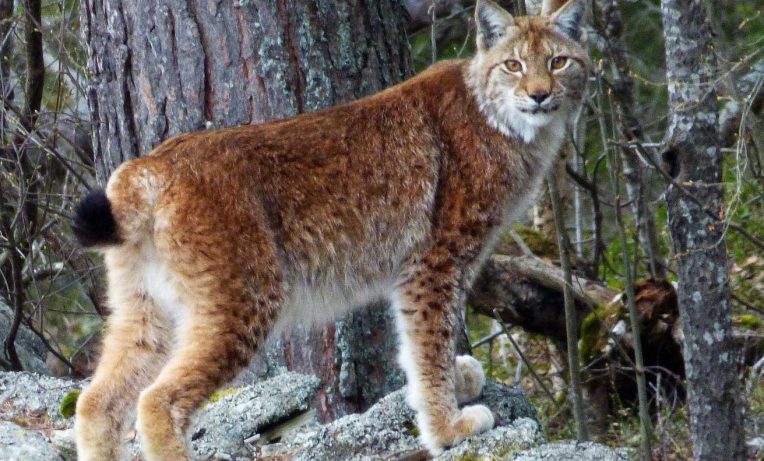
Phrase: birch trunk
(693, 148)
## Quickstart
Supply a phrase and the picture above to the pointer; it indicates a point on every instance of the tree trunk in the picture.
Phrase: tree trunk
(610, 25)
(159, 69)
(697, 231)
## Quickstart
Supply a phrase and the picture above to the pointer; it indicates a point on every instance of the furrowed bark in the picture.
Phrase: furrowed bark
(693, 145)
(162, 68)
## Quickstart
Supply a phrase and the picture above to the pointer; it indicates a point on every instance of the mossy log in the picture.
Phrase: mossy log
(527, 291)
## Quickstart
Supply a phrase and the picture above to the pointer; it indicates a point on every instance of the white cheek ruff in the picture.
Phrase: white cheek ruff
(503, 112)
(511, 122)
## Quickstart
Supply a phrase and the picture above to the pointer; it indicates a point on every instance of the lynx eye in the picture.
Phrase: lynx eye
(558, 62)
(513, 65)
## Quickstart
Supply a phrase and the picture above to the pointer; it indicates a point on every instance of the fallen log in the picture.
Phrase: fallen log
(527, 291)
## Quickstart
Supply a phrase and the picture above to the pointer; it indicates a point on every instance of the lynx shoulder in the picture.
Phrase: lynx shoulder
(218, 238)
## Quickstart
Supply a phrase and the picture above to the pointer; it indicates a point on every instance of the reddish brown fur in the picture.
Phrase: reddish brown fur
(225, 231)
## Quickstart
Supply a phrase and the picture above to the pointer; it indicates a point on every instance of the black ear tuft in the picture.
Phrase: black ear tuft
(94, 222)
(671, 164)
(492, 23)
(569, 19)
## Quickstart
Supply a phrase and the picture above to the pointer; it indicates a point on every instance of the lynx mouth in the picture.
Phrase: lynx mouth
(542, 110)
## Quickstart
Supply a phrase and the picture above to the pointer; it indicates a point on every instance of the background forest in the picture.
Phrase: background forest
(654, 224)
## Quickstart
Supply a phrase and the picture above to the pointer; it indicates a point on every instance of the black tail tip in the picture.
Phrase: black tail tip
(94, 222)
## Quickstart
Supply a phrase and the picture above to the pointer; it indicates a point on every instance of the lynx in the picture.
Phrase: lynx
(218, 238)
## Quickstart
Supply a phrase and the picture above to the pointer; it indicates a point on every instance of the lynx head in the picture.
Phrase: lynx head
(529, 72)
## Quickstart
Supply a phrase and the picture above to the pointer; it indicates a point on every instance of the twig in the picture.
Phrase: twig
(599, 241)
(527, 363)
(571, 323)
(644, 416)
(51, 349)
(17, 300)
(736, 227)
(487, 339)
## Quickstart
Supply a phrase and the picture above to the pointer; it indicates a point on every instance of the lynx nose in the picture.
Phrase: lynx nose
(539, 96)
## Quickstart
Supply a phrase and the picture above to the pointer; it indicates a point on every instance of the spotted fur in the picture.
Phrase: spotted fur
(223, 236)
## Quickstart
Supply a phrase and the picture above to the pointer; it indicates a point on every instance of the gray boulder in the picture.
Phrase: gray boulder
(18, 443)
(272, 420)
(34, 399)
(570, 450)
(29, 346)
(387, 432)
(223, 428)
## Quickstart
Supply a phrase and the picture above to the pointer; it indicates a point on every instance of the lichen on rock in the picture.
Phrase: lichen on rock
(272, 420)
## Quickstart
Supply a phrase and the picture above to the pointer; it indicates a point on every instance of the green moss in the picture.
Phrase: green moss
(590, 337)
(749, 321)
(540, 244)
(69, 404)
(594, 328)
(217, 395)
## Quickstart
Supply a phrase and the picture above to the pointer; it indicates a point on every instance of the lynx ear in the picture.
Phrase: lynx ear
(492, 22)
(569, 20)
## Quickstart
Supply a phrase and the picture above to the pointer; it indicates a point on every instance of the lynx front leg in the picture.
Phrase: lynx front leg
(427, 304)
(134, 349)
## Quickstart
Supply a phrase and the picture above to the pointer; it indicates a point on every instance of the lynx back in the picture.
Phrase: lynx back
(216, 239)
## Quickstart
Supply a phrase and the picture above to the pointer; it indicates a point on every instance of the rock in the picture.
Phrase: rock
(755, 448)
(222, 427)
(272, 420)
(17, 443)
(29, 346)
(570, 450)
(64, 441)
(34, 399)
(499, 443)
(507, 403)
(387, 431)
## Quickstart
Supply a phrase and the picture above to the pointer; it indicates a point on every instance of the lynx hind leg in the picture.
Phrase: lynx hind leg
(217, 341)
(425, 304)
(134, 349)
(470, 378)
(232, 294)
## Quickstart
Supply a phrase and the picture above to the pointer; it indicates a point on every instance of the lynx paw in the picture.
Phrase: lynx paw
(471, 420)
(97, 438)
(469, 379)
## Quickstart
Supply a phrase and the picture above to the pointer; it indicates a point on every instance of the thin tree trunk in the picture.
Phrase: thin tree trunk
(693, 146)
(571, 320)
(6, 46)
(17, 153)
(610, 25)
(162, 68)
